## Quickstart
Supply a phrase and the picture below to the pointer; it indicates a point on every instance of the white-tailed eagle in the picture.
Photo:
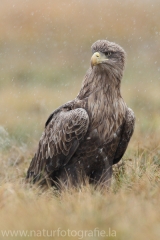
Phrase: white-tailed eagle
(86, 136)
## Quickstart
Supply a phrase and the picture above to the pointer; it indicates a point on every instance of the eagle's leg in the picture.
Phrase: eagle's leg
(67, 177)
(102, 176)
(106, 175)
(107, 171)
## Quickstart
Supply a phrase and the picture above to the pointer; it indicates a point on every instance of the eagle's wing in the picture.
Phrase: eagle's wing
(127, 132)
(64, 131)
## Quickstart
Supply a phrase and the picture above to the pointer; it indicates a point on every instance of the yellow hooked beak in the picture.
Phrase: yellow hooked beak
(97, 58)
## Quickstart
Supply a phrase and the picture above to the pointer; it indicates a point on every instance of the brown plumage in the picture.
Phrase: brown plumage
(86, 136)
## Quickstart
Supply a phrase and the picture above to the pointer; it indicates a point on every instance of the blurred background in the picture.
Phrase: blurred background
(45, 53)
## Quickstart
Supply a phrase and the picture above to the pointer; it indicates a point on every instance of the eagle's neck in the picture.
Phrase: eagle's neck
(101, 91)
(99, 82)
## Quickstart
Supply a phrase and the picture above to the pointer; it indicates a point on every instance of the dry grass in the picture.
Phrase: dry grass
(44, 54)
(131, 207)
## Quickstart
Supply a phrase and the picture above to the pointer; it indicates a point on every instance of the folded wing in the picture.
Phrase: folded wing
(127, 132)
(63, 133)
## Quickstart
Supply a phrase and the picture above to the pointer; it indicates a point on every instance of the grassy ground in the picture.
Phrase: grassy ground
(44, 54)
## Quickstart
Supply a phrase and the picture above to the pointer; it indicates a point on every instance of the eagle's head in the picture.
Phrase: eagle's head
(109, 56)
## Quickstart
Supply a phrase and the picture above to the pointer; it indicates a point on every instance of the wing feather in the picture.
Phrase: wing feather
(63, 133)
(127, 132)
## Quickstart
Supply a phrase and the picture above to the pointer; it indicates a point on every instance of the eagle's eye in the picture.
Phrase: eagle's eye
(108, 54)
